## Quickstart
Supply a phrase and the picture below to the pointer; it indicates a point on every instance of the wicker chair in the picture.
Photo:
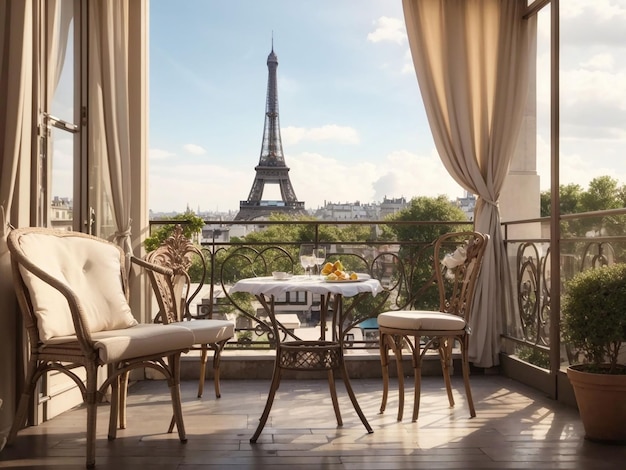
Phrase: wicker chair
(72, 289)
(420, 330)
(173, 296)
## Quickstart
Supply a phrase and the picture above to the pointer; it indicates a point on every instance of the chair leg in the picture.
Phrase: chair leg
(384, 365)
(217, 359)
(91, 401)
(397, 349)
(417, 376)
(174, 365)
(115, 403)
(170, 428)
(203, 362)
(124, 379)
(445, 357)
(333, 396)
(466, 374)
(22, 409)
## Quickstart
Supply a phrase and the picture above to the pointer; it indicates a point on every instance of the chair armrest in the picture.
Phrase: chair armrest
(152, 267)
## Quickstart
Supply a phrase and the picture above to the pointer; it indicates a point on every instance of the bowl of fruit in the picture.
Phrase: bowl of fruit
(336, 272)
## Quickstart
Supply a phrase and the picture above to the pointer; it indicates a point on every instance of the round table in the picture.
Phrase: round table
(310, 355)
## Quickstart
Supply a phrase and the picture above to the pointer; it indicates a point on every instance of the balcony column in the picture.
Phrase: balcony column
(520, 196)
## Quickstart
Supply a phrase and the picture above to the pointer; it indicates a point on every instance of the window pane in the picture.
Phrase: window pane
(62, 148)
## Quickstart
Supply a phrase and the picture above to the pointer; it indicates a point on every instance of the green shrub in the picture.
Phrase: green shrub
(594, 314)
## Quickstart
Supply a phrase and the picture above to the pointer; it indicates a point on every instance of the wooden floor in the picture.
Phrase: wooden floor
(515, 428)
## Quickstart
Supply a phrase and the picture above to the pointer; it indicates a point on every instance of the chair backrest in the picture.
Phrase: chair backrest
(173, 295)
(458, 259)
(68, 283)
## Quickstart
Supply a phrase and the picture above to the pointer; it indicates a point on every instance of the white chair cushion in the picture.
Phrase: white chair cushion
(207, 331)
(91, 269)
(145, 339)
(421, 320)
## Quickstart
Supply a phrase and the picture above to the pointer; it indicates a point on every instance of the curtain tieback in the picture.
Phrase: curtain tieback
(120, 234)
(490, 202)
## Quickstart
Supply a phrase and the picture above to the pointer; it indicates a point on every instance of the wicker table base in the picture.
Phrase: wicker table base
(310, 355)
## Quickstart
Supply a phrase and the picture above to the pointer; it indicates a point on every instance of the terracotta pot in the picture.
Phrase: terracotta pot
(601, 400)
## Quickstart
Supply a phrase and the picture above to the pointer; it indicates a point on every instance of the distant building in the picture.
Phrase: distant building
(215, 233)
(467, 204)
(391, 206)
(62, 213)
(343, 211)
(347, 211)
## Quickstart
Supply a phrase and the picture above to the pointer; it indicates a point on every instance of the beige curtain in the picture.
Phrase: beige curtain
(109, 108)
(16, 84)
(471, 61)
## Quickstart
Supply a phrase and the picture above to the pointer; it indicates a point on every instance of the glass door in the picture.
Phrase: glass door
(60, 113)
(60, 155)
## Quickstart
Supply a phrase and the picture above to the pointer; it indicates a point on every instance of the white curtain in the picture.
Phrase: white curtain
(59, 15)
(16, 85)
(109, 109)
(471, 60)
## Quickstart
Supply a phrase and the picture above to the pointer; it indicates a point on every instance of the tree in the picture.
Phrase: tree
(570, 196)
(192, 224)
(280, 244)
(427, 209)
(603, 194)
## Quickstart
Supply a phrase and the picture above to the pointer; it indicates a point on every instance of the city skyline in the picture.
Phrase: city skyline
(352, 120)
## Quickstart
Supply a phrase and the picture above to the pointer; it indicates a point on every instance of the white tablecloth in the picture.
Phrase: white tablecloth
(270, 286)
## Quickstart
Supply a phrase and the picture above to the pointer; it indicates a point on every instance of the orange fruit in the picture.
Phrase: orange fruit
(337, 266)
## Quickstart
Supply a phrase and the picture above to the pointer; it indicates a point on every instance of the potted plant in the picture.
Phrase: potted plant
(594, 322)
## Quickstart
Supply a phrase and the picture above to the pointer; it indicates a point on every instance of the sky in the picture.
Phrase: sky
(352, 121)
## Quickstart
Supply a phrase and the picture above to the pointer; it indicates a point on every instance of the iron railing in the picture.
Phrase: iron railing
(588, 240)
(402, 266)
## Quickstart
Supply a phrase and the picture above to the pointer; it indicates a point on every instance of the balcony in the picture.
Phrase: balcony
(515, 427)
(527, 336)
(515, 423)
(403, 266)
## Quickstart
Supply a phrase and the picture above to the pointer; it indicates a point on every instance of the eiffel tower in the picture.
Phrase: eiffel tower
(271, 168)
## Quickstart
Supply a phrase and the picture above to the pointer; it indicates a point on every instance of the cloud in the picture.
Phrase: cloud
(388, 29)
(408, 66)
(588, 24)
(592, 93)
(575, 167)
(160, 154)
(603, 61)
(404, 173)
(318, 179)
(209, 187)
(330, 132)
(194, 149)
(596, 86)
(598, 10)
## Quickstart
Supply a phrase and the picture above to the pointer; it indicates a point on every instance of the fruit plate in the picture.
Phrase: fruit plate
(343, 281)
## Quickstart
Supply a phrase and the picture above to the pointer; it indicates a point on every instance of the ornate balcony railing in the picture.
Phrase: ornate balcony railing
(588, 240)
(404, 268)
